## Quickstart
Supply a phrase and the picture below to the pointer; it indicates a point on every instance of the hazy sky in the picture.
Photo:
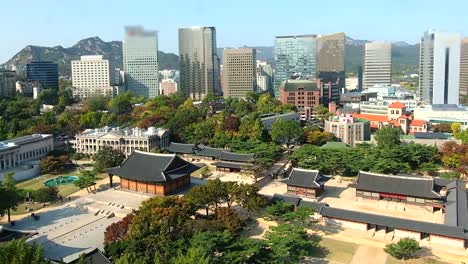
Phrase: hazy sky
(238, 22)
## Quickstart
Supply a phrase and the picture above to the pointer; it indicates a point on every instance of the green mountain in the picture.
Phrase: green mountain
(405, 56)
(91, 46)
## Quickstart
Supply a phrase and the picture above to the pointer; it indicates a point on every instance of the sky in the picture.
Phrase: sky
(237, 22)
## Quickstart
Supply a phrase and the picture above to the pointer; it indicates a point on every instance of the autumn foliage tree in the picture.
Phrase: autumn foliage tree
(55, 164)
(118, 231)
(455, 156)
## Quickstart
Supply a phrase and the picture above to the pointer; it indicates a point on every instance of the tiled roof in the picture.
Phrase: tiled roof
(306, 178)
(395, 222)
(397, 105)
(152, 167)
(395, 123)
(413, 186)
(370, 117)
(418, 123)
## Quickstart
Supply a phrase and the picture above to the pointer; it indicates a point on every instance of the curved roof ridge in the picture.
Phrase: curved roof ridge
(398, 176)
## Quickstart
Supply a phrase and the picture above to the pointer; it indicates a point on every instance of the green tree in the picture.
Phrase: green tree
(46, 194)
(17, 251)
(9, 194)
(247, 196)
(84, 260)
(55, 164)
(319, 138)
(229, 218)
(388, 136)
(95, 103)
(121, 104)
(86, 180)
(108, 157)
(322, 112)
(286, 132)
(199, 197)
(289, 243)
(193, 255)
(90, 119)
(405, 248)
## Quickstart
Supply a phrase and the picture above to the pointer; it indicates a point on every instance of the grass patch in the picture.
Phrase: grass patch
(38, 182)
(197, 173)
(339, 251)
(392, 260)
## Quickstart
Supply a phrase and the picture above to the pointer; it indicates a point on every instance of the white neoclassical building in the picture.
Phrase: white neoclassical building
(126, 139)
(19, 151)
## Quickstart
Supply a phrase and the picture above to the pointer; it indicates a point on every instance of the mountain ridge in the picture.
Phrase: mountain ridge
(405, 56)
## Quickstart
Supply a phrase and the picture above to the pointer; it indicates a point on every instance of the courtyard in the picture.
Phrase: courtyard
(76, 226)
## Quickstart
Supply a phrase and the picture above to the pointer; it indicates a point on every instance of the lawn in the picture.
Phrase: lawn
(197, 174)
(38, 182)
(339, 251)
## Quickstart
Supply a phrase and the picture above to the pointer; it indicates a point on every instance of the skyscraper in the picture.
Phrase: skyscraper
(239, 72)
(7, 83)
(45, 72)
(439, 68)
(91, 75)
(464, 72)
(199, 62)
(294, 55)
(377, 64)
(140, 61)
(264, 76)
(330, 62)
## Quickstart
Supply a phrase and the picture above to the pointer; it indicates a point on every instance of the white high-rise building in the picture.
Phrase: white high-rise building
(90, 75)
(140, 61)
(377, 64)
(439, 68)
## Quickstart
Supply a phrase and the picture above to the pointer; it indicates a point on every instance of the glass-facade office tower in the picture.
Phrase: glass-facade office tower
(464, 72)
(45, 72)
(377, 64)
(331, 64)
(439, 68)
(294, 56)
(199, 62)
(140, 61)
(239, 72)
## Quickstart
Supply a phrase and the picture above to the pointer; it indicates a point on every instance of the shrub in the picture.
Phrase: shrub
(230, 219)
(450, 175)
(46, 194)
(405, 248)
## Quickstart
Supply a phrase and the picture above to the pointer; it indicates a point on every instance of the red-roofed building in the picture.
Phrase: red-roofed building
(397, 105)
(396, 116)
(417, 126)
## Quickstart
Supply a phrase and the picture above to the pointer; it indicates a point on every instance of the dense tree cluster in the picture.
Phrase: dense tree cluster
(349, 161)
(19, 252)
(169, 230)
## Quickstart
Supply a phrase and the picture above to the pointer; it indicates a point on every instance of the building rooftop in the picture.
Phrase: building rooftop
(306, 178)
(395, 222)
(17, 142)
(407, 185)
(456, 207)
(268, 120)
(370, 117)
(153, 167)
(295, 85)
(123, 132)
(397, 105)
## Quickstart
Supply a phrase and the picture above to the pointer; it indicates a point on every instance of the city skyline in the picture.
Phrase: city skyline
(232, 32)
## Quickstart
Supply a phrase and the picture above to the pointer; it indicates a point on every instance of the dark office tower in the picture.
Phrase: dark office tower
(360, 79)
(199, 63)
(45, 72)
(331, 65)
(295, 57)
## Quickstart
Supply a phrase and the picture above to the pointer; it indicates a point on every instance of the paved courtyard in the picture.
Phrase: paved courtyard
(80, 224)
(339, 194)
